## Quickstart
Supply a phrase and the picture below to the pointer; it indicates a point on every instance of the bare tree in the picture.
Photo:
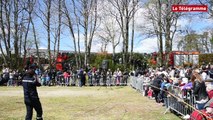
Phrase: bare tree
(110, 33)
(170, 23)
(6, 10)
(104, 42)
(125, 11)
(12, 19)
(209, 3)
(159, 32)
(16, 29)
(59, 23)
(56, 26)
(204, 39)
(133, 31)
(164, 25)
(29, 8)
(45, 16)
(77, 19)
(89, 24)
(71, 29)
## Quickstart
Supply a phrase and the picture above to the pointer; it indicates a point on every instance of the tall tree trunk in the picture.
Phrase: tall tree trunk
(3, 35)
(16, 38)
(78, 62)
(48, 33)
(168, 47)
(59, 24)
(133, 33)
(36, 43)
(25, 42)
(126, 34)
(85, 22)
(160, 32)
(93, 28)
(7, 42)
(71, 29)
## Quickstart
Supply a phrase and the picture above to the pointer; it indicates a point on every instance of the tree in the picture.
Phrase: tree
(170, 23)
(12, 18)
(45, 17)
(164, 24)
(211, 41)
(57, 26)
(109, 32)
(209, 3)
(204, 41)
(77, 18)
(29, 8)
(190, 41)
(155, 16)
(5, 30)
(89, 24)
(125, 10)
(71, 29)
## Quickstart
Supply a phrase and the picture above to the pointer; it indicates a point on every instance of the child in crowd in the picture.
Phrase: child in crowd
(150, 92)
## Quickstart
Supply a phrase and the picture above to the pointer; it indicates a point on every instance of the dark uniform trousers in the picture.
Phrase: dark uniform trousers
(33, 103)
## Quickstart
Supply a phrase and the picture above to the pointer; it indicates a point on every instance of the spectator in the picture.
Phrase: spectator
(109, 77)
(211, 72)
(204, 73)
(156, 86)
(150, 91)
(11, 78)
(66, 78)
(118, 77)
(199, 90)
(82, 77)
(125, 77)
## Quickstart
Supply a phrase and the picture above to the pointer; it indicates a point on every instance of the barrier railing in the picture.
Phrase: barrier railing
(178, 101)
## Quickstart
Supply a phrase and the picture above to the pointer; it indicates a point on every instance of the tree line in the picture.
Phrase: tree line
(109, 22)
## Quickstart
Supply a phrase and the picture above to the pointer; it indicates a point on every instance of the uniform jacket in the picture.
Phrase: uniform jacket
(30, 90)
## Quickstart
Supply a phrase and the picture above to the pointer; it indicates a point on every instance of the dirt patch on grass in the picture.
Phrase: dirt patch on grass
(56, 92)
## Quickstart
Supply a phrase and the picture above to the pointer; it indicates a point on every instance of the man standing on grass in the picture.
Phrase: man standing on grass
(31, 98)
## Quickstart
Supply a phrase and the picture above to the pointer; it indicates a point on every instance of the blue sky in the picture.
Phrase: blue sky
(141, 43)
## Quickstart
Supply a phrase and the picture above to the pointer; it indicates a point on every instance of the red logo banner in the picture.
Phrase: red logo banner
(189, 8)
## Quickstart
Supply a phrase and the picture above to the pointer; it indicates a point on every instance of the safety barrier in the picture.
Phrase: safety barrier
(90, 81)
(180, 102)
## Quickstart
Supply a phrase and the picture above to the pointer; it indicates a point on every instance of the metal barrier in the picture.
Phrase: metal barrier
(178, 101)
(137, 83)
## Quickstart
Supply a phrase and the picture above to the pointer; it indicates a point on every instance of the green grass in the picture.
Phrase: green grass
(87, 103)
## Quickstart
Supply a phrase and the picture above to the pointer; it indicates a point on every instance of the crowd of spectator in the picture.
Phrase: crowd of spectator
(159, 82)
(198, 80)
(69, 77)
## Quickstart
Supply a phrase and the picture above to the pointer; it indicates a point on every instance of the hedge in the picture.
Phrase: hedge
(205, 59)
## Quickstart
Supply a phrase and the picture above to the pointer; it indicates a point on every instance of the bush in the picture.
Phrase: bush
(206, 59)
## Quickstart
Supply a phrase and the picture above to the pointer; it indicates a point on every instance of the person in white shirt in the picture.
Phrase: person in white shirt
(204, 73)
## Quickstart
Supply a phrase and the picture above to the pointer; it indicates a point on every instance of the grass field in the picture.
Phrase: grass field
(86, 103)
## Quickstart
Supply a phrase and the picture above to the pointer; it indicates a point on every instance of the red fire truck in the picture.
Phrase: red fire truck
(177, 58)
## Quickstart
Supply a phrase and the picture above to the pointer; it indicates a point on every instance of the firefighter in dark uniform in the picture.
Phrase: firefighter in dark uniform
(31, 98)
